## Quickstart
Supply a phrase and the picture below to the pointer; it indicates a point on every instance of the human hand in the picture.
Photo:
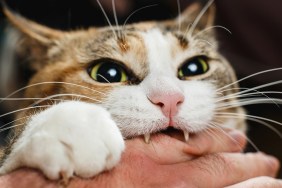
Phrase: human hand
(170, 163)
(259, 182)
(158, 165)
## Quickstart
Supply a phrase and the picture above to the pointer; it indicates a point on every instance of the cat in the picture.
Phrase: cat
(93, 88)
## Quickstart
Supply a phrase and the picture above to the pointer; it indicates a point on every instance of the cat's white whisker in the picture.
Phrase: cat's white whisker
(248, 101)
(256, 148)
(246, 97)
(22, 109)
(252, 96)
(119, 32)
(66, 95)
(247, 77)
(262, 86)
(212, 27)
(11, 122)
(11, 127)
(250, 117)
(147, 138)
(232, 89)
(254, 119)
(108, 20)
(49, 98)
(270, 92)
(218, 126)
(103, 78)
(211, 126)
(137, 10)
(186, 31)
(258, 87)
(238, 94)
(23, 99)
(43, 83)
(179, 18)
(210, 130)
(206, 41)
(198, 18)
(249, 95)
(258, 93)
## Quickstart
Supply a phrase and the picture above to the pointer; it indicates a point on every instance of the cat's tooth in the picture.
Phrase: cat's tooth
(186, 136)
(147, 138)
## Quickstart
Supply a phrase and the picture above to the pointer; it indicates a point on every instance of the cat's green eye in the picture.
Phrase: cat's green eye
(193, 67)
(107, 71)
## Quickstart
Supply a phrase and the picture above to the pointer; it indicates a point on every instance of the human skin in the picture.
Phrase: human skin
(166, 162)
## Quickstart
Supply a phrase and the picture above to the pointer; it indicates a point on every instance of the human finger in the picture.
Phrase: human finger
(259, 182)
(219, 170)
(216, 140)
(169, 149)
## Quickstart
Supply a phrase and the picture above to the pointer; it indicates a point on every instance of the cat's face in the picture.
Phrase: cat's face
(149, 76)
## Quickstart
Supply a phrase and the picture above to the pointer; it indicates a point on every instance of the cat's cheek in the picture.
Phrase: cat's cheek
(66, 139)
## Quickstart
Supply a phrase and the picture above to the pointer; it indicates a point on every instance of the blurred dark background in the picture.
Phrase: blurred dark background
(255, 44)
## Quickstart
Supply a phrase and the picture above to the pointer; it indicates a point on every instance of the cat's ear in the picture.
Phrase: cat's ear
(31, 29)
(196, 16)
(34, 40)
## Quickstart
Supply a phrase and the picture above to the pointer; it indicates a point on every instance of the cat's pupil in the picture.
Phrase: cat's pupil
(109, 72)
(193, 67)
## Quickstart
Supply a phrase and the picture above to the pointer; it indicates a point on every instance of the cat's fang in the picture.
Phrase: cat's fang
(186, 136)
(147, 138)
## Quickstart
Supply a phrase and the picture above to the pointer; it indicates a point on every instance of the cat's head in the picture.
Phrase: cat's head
(149, 75)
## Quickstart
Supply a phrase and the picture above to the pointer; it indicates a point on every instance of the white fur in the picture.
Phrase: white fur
(136, 115)
(70, 138)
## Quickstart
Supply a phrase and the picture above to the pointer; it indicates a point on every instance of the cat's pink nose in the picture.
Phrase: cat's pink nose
(168, 102)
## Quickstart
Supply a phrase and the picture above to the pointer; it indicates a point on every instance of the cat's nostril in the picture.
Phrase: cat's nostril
(180, 100)
(160, 104)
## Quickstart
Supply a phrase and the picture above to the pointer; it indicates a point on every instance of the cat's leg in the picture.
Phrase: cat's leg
(68, 138)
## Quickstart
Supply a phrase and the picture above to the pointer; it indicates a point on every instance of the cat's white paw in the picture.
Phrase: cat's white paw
(66, 139)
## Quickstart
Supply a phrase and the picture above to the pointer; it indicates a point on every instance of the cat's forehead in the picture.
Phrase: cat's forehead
(145, 47)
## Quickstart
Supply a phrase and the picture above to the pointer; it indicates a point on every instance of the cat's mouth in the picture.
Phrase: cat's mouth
(172, 132)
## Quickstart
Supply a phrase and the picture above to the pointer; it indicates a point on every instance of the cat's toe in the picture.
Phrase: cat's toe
(100, 148)
(50, 155)
(96, 159)
(44, 152)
